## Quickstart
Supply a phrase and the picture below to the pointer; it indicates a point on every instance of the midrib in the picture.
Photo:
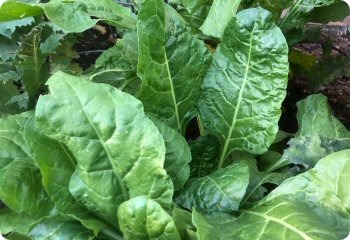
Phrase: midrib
(240, 97)
(172, 92)
(289, 13)
(283, 223)
(109, 156)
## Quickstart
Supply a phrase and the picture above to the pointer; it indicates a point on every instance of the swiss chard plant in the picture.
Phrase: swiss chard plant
(173, 132)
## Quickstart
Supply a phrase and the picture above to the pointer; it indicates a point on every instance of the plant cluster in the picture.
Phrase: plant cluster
(109, 152)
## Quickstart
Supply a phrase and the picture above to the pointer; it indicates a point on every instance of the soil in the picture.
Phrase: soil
(337, 91)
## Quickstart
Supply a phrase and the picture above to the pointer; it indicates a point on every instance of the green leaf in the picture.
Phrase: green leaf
(220, 191)
(57, 165)
(20, 179)
(58, 228)
(14, 10)
(323, 190)
(280, 219)
(7, 91)
(32, 63)
(76, 16)
(196, 11)
(142, 218)
(125, 148)
(275, 7)
(172, 64)
(255, 190)
(338, 11)
(220, 14)
(299, 12)
(177, 154)
(8, 49)
(246, 84)
(20, 222)
(211, 227)
(117, 65)
(205, 151)
(319, 134)
(183, 222)
(8, 28)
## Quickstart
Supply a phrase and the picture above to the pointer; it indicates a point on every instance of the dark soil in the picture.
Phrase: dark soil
(337, 91)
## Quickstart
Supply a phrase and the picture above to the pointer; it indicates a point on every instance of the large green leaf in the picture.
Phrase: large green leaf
(246, 84)
(281, 219)
(125, 154)
(14, 10)
(172, 64)
(220, 191)
(323, 189)
(220, 14)
(142, 218)
(319, 134)
(177, 154)
(57, 165)
(20, 179)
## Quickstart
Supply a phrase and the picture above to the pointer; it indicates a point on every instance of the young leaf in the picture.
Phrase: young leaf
(7, 91)
(220, 14)
(319, 134)
(125, 154)
(172, 64)
(8, 28)
(117, 65)
(177, 154)
(142, 218)
(220, 191)
(246, 84)
(205, 151)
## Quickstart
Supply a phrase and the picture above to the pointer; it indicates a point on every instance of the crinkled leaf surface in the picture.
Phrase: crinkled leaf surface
(319, 134)
(142, 218)
(172, 64)
(220, 14)
(246, 84)
(220, 191)
(205, 151)
(20, 179)
(57, 165)
(280, 219)
(117, 66)
(177, 154)
(323, 189)
(120, 153)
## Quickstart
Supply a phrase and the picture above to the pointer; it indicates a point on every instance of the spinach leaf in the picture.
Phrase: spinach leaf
(246, 83)
(172, 64)
(103, 121)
